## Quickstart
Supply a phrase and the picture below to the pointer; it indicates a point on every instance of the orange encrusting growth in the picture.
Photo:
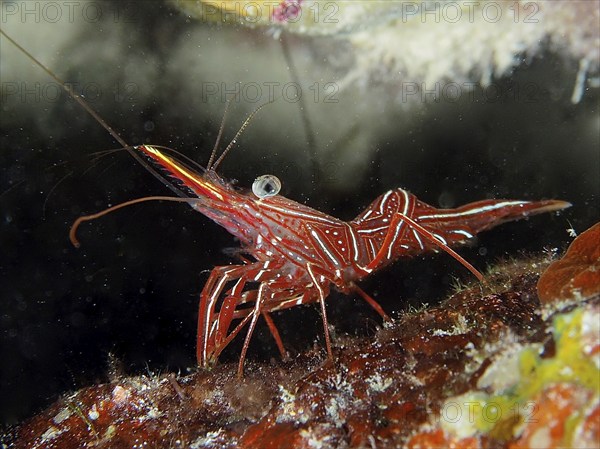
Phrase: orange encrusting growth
(577, 273)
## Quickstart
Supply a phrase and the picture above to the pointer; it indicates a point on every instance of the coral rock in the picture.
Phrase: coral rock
(577, 274)
(483, 369)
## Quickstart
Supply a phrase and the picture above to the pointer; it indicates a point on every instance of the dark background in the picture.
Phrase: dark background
(130, 292)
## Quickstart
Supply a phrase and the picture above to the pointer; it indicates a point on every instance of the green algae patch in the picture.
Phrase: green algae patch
(503, 415)
(570, 363)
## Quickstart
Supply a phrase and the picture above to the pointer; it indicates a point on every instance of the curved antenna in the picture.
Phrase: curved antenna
(75, 226)
(214, 166)
(221, 128)
(308, 129)
(75, 96)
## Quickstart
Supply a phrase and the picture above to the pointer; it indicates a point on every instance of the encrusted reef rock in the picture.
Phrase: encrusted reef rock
(488, 367)
(425, 40)
(577, 274)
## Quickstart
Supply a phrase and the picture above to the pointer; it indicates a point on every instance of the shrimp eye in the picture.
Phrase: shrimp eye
(266, 185)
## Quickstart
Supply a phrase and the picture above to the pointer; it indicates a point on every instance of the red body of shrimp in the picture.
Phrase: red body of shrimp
(299, 253)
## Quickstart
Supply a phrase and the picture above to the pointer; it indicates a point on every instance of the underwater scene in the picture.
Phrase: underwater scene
(300, 224)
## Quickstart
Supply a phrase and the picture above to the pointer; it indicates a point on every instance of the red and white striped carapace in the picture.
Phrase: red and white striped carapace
(297, 254)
